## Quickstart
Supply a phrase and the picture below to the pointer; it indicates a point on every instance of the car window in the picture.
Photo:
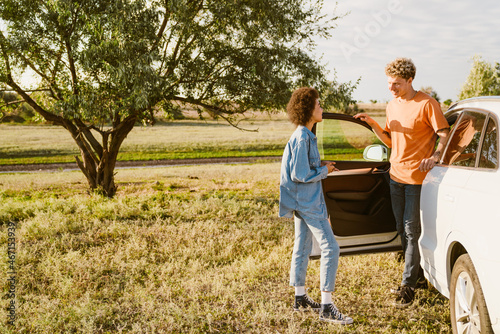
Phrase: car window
(464, 143)
(343, 140)
(489, 149)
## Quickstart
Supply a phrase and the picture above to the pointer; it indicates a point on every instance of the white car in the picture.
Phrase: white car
(460, 242)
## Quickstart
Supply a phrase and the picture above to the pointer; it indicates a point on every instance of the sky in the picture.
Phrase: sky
(440, 36)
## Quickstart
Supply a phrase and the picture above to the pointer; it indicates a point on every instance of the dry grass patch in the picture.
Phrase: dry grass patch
(180, 250)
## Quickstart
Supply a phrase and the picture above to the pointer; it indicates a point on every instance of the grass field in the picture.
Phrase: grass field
(187, 139)
(193, 249)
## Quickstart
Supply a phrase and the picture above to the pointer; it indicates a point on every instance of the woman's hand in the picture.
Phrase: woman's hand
(330, 165)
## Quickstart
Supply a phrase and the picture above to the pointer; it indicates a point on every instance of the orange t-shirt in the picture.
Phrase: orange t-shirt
(413, 126)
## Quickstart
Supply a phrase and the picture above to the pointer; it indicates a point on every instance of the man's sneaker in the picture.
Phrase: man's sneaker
(396, 291)
(405, 297)
(330, 313)
(305, 303)
(421, 284)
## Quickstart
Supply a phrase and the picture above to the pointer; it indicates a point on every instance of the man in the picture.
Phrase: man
(414, 121)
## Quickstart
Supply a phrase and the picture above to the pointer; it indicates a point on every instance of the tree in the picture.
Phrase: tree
(483, 79)
(109, 64)
(431, 92)
(339, 96)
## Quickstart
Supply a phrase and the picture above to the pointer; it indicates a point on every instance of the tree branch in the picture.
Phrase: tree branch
(131, 118)
(12, 102)
(72, 67)
(96, 146)
(88, 149)
(5, 54)
(10, 82)
(27, 90)
(217, 110)
(30, 65)
(172, 66)
(162, 29)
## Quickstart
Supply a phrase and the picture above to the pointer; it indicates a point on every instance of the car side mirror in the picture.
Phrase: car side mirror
(375, 152)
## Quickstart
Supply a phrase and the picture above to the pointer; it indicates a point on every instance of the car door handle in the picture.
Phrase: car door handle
(449, 198)
(381, 169)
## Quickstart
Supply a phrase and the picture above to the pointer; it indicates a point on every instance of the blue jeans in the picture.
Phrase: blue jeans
(406, 208)
(305, 229)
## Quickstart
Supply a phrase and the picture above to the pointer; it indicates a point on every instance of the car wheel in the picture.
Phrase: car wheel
(467, 305)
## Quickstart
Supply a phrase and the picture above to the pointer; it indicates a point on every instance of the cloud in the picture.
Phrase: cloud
(440, 37)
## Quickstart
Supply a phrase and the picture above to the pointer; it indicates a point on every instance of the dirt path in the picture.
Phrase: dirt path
(132, 164)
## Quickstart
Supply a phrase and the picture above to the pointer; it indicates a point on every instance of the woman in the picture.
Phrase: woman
(301, 197)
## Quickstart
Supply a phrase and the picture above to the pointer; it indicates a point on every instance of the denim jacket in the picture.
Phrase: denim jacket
(301, 175)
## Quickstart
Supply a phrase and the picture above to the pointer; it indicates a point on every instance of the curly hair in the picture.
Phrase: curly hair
(301, 105)
(401, 68)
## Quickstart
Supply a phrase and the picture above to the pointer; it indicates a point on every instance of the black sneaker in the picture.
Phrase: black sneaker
(330, 313)
(396, 291)
(421, 284)
(405, 297)
(305, 303)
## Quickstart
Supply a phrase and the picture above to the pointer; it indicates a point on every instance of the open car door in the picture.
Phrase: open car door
(358, 195)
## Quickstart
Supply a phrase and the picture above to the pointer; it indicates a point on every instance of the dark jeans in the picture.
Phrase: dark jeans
(406, 208)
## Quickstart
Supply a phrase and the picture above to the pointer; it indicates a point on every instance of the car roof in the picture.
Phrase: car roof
(491, 103)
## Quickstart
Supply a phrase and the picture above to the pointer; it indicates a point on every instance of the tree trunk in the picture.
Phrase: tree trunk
(98, 161)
